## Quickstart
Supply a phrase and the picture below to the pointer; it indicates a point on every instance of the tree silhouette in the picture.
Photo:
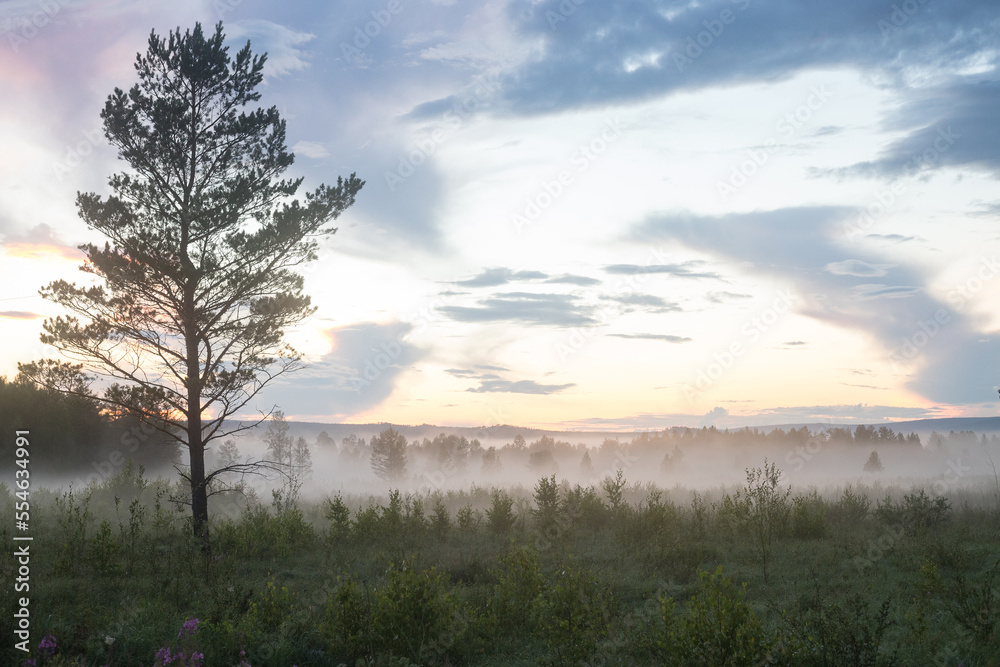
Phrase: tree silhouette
(874, 463)
(197, 281)
(388, 458)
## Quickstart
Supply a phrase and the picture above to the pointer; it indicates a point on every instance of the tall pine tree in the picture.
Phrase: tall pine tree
(198, 279)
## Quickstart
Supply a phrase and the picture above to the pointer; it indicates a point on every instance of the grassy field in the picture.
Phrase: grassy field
(620, 573)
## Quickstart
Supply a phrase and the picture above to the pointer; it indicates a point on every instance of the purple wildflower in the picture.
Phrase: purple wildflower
(190, 627)
(47, 646)
(163, 656)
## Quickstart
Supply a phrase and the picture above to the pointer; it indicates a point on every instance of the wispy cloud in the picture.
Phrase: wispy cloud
(568, 279)
(856, 267)
(361, 370)
(796, 245)
(282, 44)
(649, 336)
(564, 310)
(37, 243)
(684, 270)
(496, 277)
(725, 297)
(19, 315)
(649, 302)
(518, 387)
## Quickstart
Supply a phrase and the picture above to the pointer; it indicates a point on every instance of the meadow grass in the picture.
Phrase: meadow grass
(622, 574)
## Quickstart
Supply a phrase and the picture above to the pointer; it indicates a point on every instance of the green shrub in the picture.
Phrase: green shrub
(834, 634)
(761, 509)
(853, 506)
(440, 519)
(547, 517)
(583, 508)
(613, 488)
(976, 608)
(573, 616)
(74, 518)
(653, 520)
(468, 519)
(718, 629)
(500, 516)
(413, 613)
(413, 516)
(347, 621)
(261, 533)
(808, 516)
(104, 550)
(339, 516)
(271, 631)
(519, 583)
(367, 526)
(916, 514)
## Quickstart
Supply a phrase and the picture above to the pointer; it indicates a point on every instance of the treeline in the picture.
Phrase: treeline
(862, 435)
(73, 435)
(392, 458)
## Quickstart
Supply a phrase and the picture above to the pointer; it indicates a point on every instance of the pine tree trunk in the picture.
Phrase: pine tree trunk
(196, 446)
(199, 494)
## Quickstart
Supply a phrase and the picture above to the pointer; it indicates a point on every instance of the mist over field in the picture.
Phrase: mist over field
(681, 459)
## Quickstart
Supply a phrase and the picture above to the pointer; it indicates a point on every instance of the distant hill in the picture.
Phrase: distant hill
(503, 432)
(977, 424)
(506, 432)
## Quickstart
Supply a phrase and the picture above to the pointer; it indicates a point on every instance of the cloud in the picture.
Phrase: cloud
(282, 44)
(877, 291)
(828, 130)
(360, 371)
(39, 242)
(988, 209)
(612, 53)
(490, 382)
(569, 279)
(859, 413)
(500, 276)
(855, 267)
(683, 270)
(714, 415)
(460, 373)
(796, 245)
(518, 387)
(893, 238)
(648, 336)
(723, 297)
(563, 310)
(19, 315)
(952, 126)
(490, 367)
(816, 414)
(648, 302)
(310, 149)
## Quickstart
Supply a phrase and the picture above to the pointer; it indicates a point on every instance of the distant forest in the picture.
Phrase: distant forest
(73, 435)
(392, 458)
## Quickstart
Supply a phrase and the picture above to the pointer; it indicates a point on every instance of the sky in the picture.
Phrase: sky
(577, 214)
